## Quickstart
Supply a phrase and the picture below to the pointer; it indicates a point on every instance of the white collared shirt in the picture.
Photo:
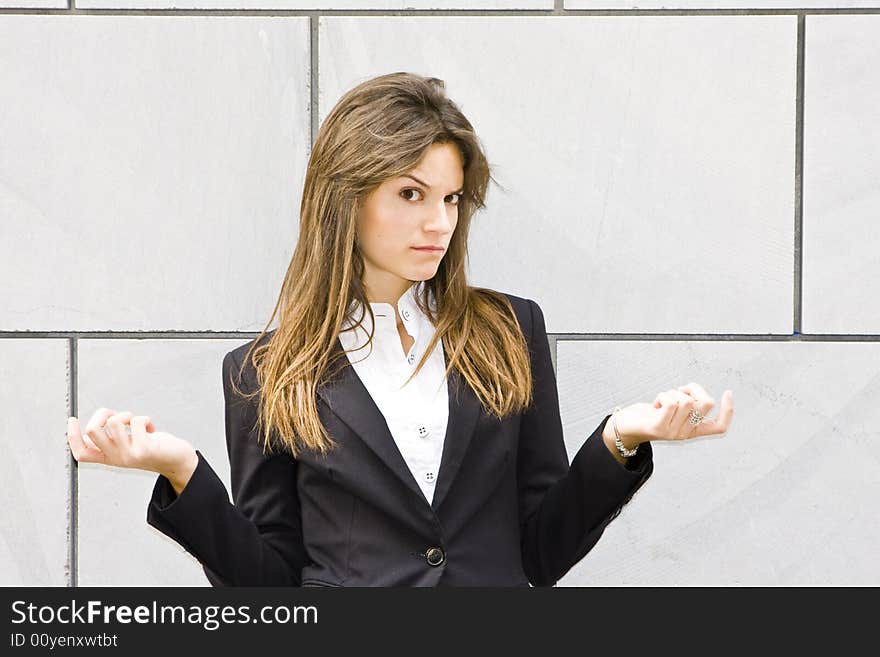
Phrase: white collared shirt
(416, 414)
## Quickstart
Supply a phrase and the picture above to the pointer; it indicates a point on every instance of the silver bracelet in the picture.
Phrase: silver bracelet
(622, 450)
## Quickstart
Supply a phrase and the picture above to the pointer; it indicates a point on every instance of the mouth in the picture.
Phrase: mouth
(429, 249)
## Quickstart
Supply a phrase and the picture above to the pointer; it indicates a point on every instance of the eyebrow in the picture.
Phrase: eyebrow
(422, 182)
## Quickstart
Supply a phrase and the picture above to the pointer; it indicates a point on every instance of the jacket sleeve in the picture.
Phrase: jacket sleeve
(564, 509)
(257, 541)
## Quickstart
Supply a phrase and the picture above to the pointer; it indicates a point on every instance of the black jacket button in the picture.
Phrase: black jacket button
(434, 556)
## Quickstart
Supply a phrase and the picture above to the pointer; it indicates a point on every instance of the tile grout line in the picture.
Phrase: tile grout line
(73, 470)
(556, 10)
(314, 77)
(565, 337)
(799, 178)
(720, 337)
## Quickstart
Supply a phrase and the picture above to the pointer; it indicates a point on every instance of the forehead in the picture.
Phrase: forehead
(441, 166)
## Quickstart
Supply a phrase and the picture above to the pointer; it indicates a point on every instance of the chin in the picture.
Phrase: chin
(423, 275)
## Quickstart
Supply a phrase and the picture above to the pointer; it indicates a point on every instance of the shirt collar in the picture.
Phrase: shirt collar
(406, 306)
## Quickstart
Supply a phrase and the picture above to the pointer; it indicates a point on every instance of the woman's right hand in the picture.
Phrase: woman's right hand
(144, 449)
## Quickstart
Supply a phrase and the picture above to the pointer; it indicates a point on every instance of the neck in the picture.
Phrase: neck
(388, 296)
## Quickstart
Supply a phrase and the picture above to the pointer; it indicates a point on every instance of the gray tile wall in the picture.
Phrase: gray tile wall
(785, 498)
(179, 378)
(755, 5)
(699, 181)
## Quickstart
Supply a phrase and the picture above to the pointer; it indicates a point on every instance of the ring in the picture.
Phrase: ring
(695, 417)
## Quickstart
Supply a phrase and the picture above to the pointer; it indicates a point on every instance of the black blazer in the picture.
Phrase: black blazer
(507, 509)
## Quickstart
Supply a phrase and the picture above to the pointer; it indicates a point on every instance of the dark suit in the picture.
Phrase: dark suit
(507, 509)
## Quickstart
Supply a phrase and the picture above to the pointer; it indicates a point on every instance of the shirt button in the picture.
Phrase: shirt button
(434, 556)
(410, 358)
(429, 477)
(423, 431)
(405, 314)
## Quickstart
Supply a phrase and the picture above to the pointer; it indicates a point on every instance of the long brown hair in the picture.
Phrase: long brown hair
(378, 130)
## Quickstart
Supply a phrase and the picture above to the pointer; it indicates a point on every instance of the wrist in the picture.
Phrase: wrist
(621, 444)
(180, 473)
(608, 439)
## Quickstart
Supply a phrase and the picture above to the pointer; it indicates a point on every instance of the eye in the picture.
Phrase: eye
(410, 189)
(457, 197)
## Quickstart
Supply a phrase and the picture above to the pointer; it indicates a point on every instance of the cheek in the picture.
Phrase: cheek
(390, 225)
(383, 232)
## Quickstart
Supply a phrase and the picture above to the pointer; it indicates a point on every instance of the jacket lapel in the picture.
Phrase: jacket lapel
(349, 399)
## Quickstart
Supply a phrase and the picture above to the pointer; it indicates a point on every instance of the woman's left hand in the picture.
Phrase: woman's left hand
(667, 418)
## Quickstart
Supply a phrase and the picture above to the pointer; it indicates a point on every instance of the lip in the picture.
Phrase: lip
(428, 248)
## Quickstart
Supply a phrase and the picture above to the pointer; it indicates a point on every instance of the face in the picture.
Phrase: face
(414, 210)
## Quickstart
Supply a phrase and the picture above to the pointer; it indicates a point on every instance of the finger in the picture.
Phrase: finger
(141, 426)
(99, 417)
(95, 431)
(119, 433)
(662, 399)
(672, 401)
(680, 428)
(127, 418)
(117, 427)
(123, 420)
(82, 452)
(705, 402)
(682, 404)
(718, 425)
(669, 406)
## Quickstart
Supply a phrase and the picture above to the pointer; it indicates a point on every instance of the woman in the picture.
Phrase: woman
(399, 427)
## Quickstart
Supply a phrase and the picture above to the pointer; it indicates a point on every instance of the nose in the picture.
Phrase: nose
(442, 219)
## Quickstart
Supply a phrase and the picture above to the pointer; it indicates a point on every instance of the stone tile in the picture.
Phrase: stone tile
(32, 4)
(35, 464)
(841, 280)
(177, 383)
(781, 499)
(648, 162)
(318, 4)
(720, 4)
(151, 166)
